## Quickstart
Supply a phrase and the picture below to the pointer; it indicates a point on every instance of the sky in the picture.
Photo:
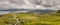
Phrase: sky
(30, 4)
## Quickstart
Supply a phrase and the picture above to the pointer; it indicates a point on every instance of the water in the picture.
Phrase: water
(4, 12)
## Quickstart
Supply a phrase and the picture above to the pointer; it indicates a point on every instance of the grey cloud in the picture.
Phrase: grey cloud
(19, 3)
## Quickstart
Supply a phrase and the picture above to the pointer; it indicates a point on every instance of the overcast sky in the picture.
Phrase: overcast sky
(30, 4)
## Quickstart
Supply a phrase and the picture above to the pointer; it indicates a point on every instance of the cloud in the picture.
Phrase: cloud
(29, 4)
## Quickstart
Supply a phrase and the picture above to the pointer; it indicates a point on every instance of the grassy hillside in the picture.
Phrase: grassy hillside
(30, 19)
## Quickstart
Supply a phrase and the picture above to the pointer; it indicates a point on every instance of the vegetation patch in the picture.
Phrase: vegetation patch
(30, 19)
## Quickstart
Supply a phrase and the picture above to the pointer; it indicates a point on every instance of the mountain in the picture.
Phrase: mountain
(42, 11)
(26, 10)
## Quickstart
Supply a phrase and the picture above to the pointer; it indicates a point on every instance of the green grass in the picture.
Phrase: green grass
(31, 19)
